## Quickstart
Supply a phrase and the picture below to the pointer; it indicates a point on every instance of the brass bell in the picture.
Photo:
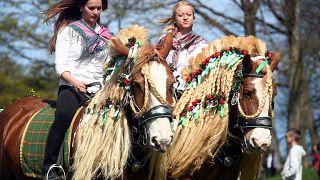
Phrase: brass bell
(228, 161)
(136, 167)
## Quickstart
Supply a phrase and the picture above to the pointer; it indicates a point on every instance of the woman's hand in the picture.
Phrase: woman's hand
(168, 29)
(79, 86)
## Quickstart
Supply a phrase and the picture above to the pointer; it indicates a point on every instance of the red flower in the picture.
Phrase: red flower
(203, 63)
(182, 115)
(190, 108)
(209, 97)
(227, 50)
(269, 55)
(188, 79)
(217, 54)
(126, 81)
(195, 102)
(221, 101)
(198, 71)
(245, 52)
(193, 74)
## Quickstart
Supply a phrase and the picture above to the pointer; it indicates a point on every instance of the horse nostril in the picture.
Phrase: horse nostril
(154, 140)
(265, 147)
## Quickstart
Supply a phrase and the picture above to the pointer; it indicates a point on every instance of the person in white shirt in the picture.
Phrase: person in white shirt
(80, 44)
(186, 43)
(292, 169)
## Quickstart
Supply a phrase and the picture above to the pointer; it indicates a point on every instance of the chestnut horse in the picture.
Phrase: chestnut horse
(131, 86)
(224, 115)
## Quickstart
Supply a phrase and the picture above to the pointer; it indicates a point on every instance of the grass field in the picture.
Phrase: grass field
(308, 174)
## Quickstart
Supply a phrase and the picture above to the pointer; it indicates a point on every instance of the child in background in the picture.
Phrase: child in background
(292, 169)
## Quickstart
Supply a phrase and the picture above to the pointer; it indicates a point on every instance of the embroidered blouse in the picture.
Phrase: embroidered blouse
(72, 55)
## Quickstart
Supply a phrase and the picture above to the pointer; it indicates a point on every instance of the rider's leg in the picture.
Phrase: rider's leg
(67, 104)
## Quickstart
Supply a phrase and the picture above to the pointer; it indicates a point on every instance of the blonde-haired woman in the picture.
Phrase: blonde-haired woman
(80, 44)
(186, 43)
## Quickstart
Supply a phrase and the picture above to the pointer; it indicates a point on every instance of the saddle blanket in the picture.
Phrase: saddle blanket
(33, 142)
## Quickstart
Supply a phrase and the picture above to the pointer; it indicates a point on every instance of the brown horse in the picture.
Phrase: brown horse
(132, 86)
(225, 114)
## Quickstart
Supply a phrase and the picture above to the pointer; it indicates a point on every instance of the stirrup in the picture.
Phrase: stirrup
(55, 166)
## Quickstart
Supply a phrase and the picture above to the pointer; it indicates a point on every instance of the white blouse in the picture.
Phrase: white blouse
(69, 48)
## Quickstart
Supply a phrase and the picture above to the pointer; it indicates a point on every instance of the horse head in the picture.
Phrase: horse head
(252, 100)
(151, 80)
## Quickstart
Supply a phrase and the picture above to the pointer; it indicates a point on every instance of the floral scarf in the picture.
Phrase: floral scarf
(93, 42)
(187, 41)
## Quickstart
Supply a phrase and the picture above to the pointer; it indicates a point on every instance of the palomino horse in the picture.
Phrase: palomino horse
(224, 115)
(103, 133)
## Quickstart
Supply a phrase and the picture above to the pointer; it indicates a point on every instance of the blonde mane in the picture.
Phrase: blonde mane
(103, 138)
(198, 140)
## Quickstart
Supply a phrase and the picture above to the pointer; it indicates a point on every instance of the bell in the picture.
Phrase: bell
(228, 161)
(136, 167)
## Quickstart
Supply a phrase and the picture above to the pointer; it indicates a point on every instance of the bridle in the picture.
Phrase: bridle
(252, 121)
(231, 153)
(160, 111)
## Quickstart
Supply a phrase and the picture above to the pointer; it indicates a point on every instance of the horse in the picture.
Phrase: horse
(225, 114)
(103, 137)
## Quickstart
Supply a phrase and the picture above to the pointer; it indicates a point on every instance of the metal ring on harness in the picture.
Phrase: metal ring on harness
(159, 111)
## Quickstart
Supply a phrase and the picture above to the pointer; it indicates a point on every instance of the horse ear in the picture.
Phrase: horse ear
(247, 63)
(166, 46)
(274, 61)
(122, 49)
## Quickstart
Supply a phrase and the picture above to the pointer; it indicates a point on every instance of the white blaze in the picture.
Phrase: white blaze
(159, 128)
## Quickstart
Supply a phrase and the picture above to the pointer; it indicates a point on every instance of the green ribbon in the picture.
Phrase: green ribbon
(222, 110)
(206, 72)
(224, 58)
(104, 116)
(262, 65)
(139, 44)
(234, 61)
(196, 115)
(199, 79)
(183, 121)
(189, 85)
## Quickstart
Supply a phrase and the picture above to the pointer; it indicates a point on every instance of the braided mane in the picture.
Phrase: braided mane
(199, 136)
(103, 139)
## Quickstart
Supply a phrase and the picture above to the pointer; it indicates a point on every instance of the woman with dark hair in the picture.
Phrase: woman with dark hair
(80, 44)
(186, 43)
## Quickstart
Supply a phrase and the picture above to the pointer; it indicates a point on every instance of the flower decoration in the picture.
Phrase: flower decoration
(123, 81)
(131, 42)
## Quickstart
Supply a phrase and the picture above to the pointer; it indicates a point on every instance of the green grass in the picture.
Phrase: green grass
(308, 174)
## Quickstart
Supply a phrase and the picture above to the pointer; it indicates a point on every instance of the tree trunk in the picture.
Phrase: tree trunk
(250, 14)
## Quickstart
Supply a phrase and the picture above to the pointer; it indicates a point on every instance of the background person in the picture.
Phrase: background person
(293, 166)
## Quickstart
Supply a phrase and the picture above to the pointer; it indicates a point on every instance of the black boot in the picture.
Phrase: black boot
(54, 141)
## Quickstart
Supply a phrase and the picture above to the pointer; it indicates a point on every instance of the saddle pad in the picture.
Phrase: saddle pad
(33, 142)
